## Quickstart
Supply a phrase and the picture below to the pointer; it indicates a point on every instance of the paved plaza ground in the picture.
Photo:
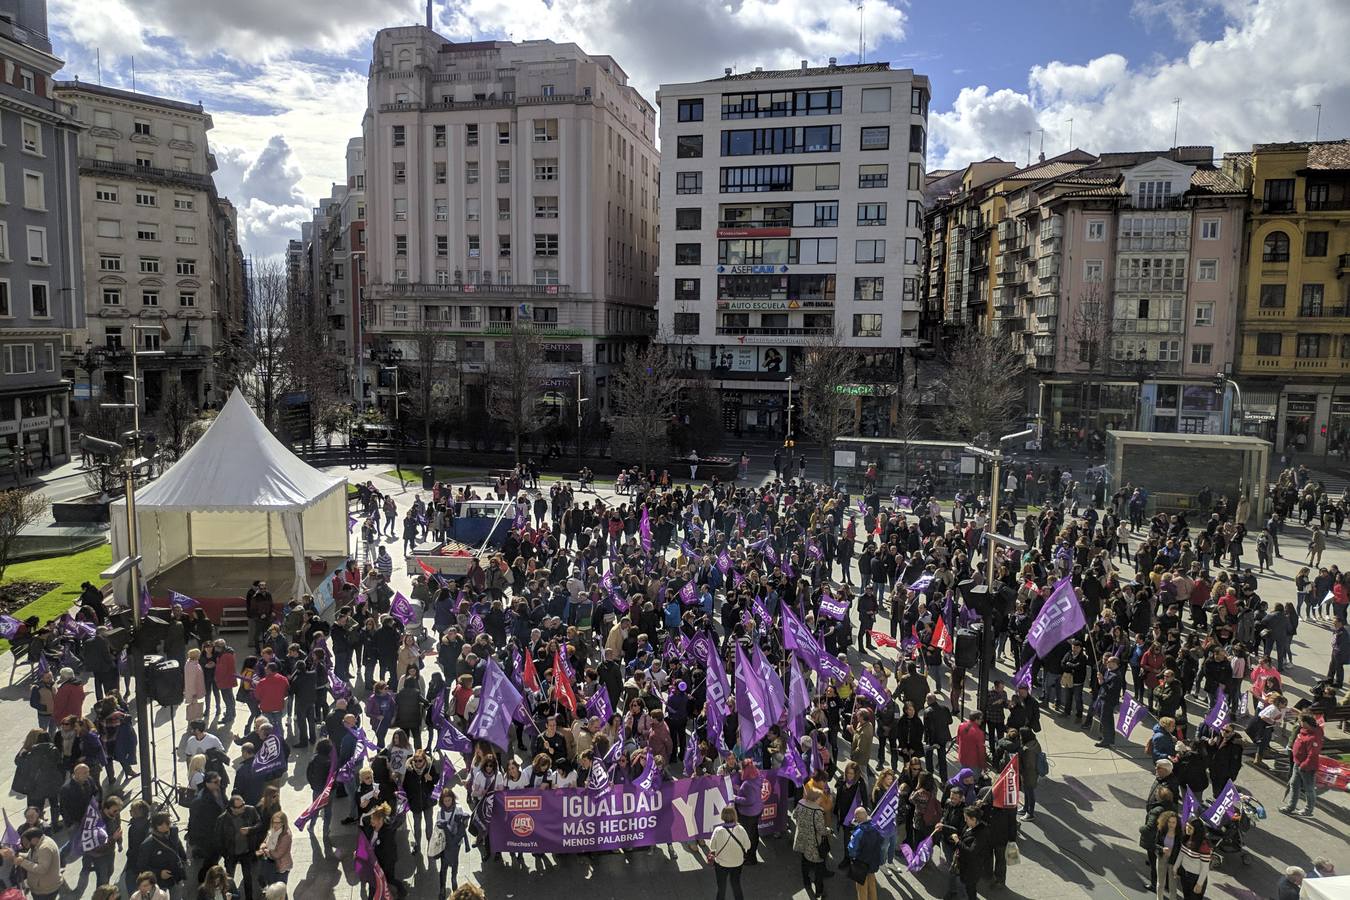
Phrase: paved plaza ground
(1083, 842)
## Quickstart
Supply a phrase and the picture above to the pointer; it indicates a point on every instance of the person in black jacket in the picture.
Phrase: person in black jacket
(419, 785)
(236, 832)
(316, 776)
(937, 734)
(1002, 831)
(162, 852)
(202, 835)
(303, 684)
(974, 856)
(383, 836)
(37, 773)
(75, 794)
(98, 659)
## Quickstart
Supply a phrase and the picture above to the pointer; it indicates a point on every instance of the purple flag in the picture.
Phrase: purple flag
(598, 779)
(904, 502)
(832, 668)
(269, 759)
(917, 858)
(690, 755)
(1188, 805)
(1218, 713)
(798, 639)
(715, 705)
(93, 830)
(871, 689)
(607, 581)
(9, 626)
(862, 506)
(649, 777)
(813, 550)
(496, 708)
(1224, 805)
(835, 609)
(145, 597)
(1060, 619)
(401, 608)
(740, 523)
(11, 837)
(518, 523)
(1022, 677)
(702, 647)
(771, 554)
(921, 583)
(351, 523)
(447, 775)
(690, 552)
(737, 579)
(689, 593)
(799, 698)
(363, 858)
(599, 706)
(449, 737)
(771, 680)
(1131, 711)
(182, 601)
(645, 531)
(883, 817)
(793, 767)
(761, 614)
(303, 820)
(856, 805)
(752, 702)
(81, 631)
(724, 562)
(788, 570)
(475, 626)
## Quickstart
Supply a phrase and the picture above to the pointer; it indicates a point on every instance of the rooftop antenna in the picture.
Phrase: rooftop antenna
(1042, 144)
(133, 74)
(862, 33)
(1317, 132)
(1176, 123)
(1028, 148)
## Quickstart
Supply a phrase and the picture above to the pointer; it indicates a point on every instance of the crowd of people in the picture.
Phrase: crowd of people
(624, 627)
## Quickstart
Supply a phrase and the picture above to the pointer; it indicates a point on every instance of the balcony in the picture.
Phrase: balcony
(457, 289)
(1275, 207)
(1144, 369)
(389, 320)
(737, 330)
(1323, 312)
(1171, 201)
(1343, 265)
(146, 174)
(1149, 326)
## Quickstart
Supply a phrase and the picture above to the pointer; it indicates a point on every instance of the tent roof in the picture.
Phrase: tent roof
(237, 465)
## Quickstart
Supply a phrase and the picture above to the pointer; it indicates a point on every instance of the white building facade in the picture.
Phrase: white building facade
(507, 185)
(791, 214)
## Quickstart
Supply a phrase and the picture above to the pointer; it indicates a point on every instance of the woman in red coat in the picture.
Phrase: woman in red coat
(69, 697)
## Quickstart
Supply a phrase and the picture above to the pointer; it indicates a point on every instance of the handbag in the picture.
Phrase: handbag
(1011, 855)
(436, 846)
(857, 871)
(1066, 679)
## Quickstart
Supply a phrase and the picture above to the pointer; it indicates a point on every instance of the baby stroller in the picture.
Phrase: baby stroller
(1228, 837)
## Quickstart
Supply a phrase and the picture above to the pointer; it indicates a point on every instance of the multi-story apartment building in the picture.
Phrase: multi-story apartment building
(1116, 276)
(1294, 353)
(508, 186)
(160, 247)
(41, 293)
(791, 215)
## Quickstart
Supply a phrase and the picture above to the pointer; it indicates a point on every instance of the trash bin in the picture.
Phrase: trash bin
(428, 478)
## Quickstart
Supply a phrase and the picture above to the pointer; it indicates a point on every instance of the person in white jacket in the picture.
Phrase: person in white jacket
(726, 851)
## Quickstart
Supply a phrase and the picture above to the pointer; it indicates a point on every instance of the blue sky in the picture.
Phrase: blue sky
(285, 82)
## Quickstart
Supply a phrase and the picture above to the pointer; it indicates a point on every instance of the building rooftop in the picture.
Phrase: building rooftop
(1321, 154)
(806, 72)
(129, 96)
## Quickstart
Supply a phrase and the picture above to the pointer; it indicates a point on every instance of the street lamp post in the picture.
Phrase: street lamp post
(580, 400)
(1140, 366)
(788, 442)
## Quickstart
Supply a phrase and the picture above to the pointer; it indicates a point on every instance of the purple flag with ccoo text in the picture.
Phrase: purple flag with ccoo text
(1224, 806)
(1131, 711)
(401, 608)
(1059, 619)
(496, 707)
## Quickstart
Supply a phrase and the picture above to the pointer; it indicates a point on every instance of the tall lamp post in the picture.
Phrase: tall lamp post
(130, 464)
(788, 442)
(389, 359)
(994, 457)
(580, 400)
(1139, 364)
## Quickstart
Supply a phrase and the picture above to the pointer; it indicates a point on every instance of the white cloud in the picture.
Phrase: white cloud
(1256, 83)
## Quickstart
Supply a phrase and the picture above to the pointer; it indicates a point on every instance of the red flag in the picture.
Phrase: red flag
(1008, 785)
(883, 639)
(529, 675)
(426, 568)
(942, 638)
(562, 688)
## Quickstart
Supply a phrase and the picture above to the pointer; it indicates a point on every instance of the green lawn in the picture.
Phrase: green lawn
(443, 473)
(71, 571)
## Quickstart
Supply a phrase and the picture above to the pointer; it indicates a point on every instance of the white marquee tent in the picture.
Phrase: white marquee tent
(237, 492)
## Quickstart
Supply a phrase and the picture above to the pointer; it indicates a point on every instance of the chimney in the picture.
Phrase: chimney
(429, 2)
(727, 70)
(759, 68)
(833, 62)
(803, 65)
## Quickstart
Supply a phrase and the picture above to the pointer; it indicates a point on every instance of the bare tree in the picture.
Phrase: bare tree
(981, 388)
(177, 412)
(18, 509)
(1088, 338)
(263, 357)
(907, 426)
(642, 398)
(826, 411)
(430, 382)
(513, 383)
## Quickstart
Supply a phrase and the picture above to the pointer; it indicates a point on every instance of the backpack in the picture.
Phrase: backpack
(1042, 764)
(35, 698)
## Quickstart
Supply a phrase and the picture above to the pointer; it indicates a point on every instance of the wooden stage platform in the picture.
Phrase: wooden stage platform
(220, 582)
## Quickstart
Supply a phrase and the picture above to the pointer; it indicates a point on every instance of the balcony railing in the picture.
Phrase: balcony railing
(145, 173)
(457, 289)
(386, 319)
(1149, 326)
(1145, 369)
(772, 332)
